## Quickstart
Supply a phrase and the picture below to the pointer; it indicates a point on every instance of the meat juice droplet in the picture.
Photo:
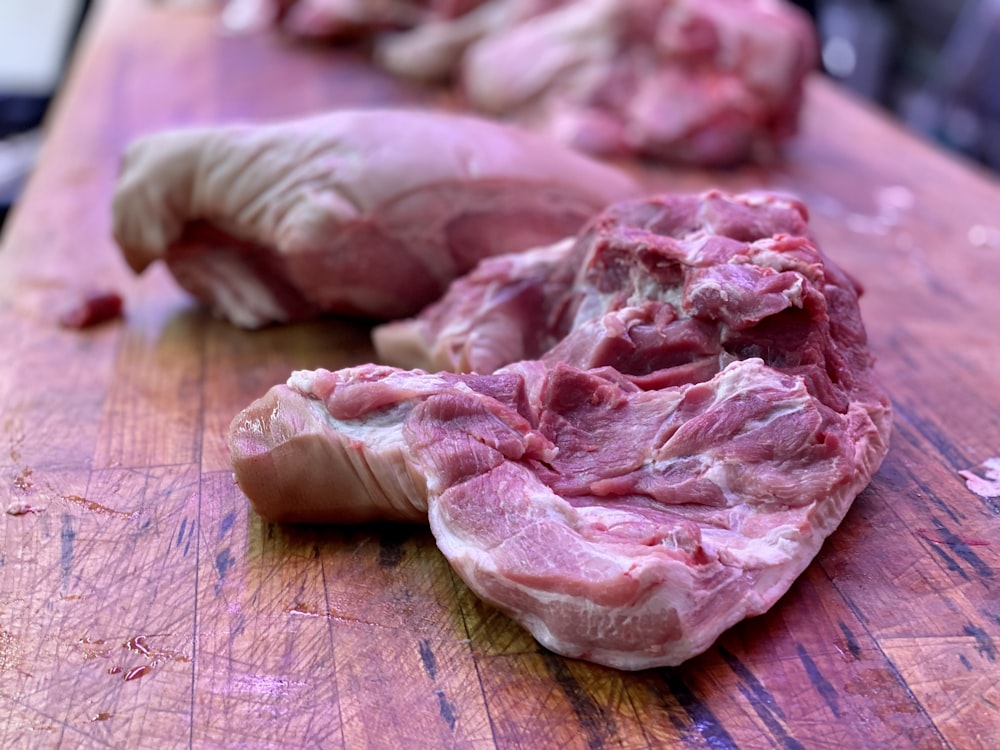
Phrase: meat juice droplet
(102, 716)
(136, 672)
(137, 644)
(115, 669)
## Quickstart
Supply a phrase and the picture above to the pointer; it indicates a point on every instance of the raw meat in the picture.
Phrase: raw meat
(708, 82)
(691, 413)
(496, 314)
(368, 212)
(92, 309)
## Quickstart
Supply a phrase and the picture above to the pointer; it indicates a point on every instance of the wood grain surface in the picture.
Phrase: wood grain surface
(142, 605)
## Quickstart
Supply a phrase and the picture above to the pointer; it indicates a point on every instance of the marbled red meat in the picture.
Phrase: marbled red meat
(624, 508)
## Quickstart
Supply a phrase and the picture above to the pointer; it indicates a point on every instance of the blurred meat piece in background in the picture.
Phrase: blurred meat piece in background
(708, 82)
(931, 63)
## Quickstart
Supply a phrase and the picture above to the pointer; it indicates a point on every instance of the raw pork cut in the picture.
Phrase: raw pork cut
(367, 212)
(692, 411)
(709, 82)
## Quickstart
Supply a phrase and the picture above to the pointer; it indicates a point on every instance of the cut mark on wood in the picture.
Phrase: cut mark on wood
(758, 691)
(826, 691)
(447, 709)
(304, 610)
(942, 535)
(984, 643)
(700, 717)
(67, 541)
(926, 429)
(24, 484)
(223, 562)
(899, 475)
(300, 609)
(762, 702)
(427, 658)
(950, 563)
(934, 538)
(590, 714)
(227, 524)
(852, 643)
(184, 535)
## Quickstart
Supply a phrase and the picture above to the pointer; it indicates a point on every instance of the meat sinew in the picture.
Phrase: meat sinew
(368, 212)
(691, 412)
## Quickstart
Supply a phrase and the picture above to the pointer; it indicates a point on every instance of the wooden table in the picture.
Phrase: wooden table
(145, 606)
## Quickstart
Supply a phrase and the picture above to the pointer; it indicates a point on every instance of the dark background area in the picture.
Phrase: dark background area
(934, 64)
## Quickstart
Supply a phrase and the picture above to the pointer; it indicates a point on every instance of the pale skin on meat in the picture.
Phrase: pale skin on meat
(362, 212)
(295, 467)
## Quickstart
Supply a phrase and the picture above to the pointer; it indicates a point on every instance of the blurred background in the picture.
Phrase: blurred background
(933, 64)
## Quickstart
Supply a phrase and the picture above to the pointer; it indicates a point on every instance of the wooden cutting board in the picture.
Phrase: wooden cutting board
(143, 605)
